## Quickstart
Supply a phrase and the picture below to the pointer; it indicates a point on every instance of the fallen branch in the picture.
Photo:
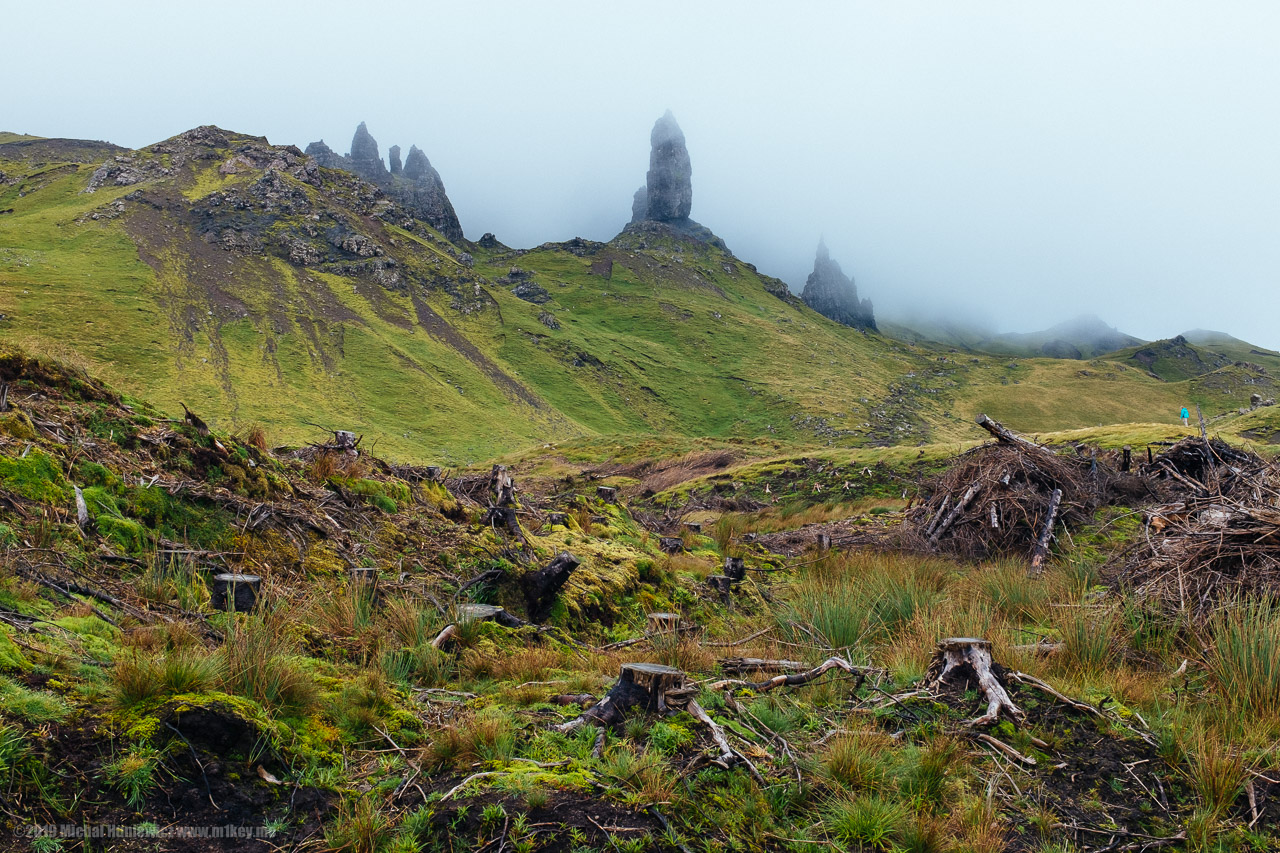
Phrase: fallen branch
(795, 680)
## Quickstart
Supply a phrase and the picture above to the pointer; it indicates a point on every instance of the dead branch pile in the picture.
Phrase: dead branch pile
(1221, 542)
(999, 499)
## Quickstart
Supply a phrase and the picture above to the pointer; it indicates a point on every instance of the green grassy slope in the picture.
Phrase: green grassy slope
(217, 270)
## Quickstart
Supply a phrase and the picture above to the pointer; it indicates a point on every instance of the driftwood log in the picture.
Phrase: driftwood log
(794, 680)
(1046, 533)
(965, 661)
(540, 587)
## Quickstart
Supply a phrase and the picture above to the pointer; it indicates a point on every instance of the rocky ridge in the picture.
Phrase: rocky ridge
(415, 185)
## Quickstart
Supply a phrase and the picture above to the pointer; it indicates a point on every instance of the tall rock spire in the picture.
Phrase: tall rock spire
(834, 295)
(668, 182)
(365, 159)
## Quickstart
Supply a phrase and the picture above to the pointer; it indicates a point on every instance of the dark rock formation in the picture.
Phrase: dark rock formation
(325, 156)
(416, 186)
(662, 205)
(670, 190)
(365, 159)
(640, 205)
(833, 294)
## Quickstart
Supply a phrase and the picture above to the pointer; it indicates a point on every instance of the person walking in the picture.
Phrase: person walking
(1186, 417)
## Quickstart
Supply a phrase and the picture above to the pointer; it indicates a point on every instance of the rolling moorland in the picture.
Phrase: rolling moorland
(635, 550)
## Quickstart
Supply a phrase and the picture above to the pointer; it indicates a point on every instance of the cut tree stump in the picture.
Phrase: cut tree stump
(671, 544)
(540, 587)
(470, 612)
(693, 527)
(433, 473)
(735, 568)
(965, 660)
(608, 494)
(560, 518)
(662, 623)
(824, 543)
(502, 516)
(364, 578)
(237, 593)
(643, 685)
(721, 583)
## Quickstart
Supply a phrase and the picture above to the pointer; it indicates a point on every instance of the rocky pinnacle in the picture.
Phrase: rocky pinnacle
(670, 190)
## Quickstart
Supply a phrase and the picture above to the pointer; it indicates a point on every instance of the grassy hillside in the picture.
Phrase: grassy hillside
(220, 271)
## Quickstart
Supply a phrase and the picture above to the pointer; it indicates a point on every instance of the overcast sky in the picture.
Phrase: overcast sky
(1022, 162)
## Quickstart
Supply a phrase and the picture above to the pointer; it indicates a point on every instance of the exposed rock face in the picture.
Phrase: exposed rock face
(325, 156)
(640, 205)
(669, 185)
(416, 185)
(833, 294)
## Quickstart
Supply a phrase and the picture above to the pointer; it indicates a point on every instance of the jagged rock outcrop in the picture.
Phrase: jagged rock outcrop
(416, 185)
(833, 294)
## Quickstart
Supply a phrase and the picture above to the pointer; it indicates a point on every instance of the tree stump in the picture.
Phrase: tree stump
(824, 542)
(238, 593)
(365, 581)
(662, 623)
(599, 519)
(346, 441)
(560, 518)
(693, 527)
(507, 492)
(643, 685)
(735, 568)
(608, 494)
(721, 583)
(966, 661)
(671, 544)
(433, 473)
(502, 516)
(541, 587)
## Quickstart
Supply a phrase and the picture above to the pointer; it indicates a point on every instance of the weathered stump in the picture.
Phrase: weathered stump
(470, 612)
(365, 581)
(541, 587)
(967, 661)
(502, 516)
(693, 527)
(643, 685)
(560, 518)
(346, 442)
(721, 583)
(237, 593)
(735, 568)
(662, 623)
(433, 473)
(824, 542)
(671, 544)
(599, 519)
(608, 494)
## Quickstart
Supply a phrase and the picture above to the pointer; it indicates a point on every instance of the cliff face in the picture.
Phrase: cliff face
(416, 185)
(834, 295)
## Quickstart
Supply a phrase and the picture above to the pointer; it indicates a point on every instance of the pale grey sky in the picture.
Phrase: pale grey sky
(1021, 162)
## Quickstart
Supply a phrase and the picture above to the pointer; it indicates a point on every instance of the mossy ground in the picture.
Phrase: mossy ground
(154, 702)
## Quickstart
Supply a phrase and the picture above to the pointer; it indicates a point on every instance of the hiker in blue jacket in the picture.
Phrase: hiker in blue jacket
(1185, 416)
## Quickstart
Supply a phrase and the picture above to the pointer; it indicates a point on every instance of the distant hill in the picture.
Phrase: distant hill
(241, 278)
(1234, 348)
(1082, 337)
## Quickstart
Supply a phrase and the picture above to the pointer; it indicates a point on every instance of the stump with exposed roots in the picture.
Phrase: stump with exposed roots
(965, 662)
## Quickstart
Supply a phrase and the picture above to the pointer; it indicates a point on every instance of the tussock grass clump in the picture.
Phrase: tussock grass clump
(1245, 657)
(858, 759)
(261, 664)
(488, 736)
(1089, 640)
(182, 669)
(868, 820)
